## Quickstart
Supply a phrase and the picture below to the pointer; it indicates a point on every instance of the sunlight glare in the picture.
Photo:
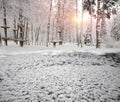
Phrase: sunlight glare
(79, 18)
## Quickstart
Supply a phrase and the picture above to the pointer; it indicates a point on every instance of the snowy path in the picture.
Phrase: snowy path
(66, 77)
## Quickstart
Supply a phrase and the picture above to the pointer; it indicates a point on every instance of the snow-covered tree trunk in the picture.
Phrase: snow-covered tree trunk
(31, 33)
(37, 35)
(81, 27)
(103, 33)
(62, 21)
(59, 20)
(77, 37)
(21, 27)
(26, 32)
(0, 40)
(98, 25)
(15, 31)
(5, 21)
(48, 25)
(53, 26)
(115, 31)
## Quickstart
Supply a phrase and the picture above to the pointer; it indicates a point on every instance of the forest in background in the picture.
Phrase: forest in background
(63, 20)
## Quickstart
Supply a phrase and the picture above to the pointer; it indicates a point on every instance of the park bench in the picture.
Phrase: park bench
(54, 42)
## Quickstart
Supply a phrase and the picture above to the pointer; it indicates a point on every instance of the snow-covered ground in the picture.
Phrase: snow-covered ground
(63, 74)
(16, 50)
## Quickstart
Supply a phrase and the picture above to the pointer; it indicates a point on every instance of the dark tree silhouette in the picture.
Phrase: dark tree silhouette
(102, 6)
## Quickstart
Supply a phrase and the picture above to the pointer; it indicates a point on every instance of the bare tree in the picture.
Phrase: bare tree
(21, 28)
(77, 38)
(98, 25)
(53, 26)
(115, 31)
(81, 27)
(48, 25)
(15, 31)
(5, 21)
(0, 40)
(37, 35)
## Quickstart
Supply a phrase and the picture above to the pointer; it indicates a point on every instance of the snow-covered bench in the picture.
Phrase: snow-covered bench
(54, 42)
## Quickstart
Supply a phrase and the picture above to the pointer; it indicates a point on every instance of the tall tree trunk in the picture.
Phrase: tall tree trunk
(77, 38)
(91, 21)
(98, 25)
(26, 33)
(62, 21)
(69, 34)
(81, 27)
(15, 31)
(37, 34)
(32, 34)
(48, 25)
(21, 36)
(103, 32)
(91, 29)
(0, 40)
(5, 22)
(53, 30)
(21, 27)
(59, 20)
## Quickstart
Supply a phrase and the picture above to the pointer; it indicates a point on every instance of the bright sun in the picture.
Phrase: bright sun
(76, 19)
(79, 18)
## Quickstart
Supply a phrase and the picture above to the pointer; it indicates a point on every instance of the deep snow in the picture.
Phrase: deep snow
(62, 74)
